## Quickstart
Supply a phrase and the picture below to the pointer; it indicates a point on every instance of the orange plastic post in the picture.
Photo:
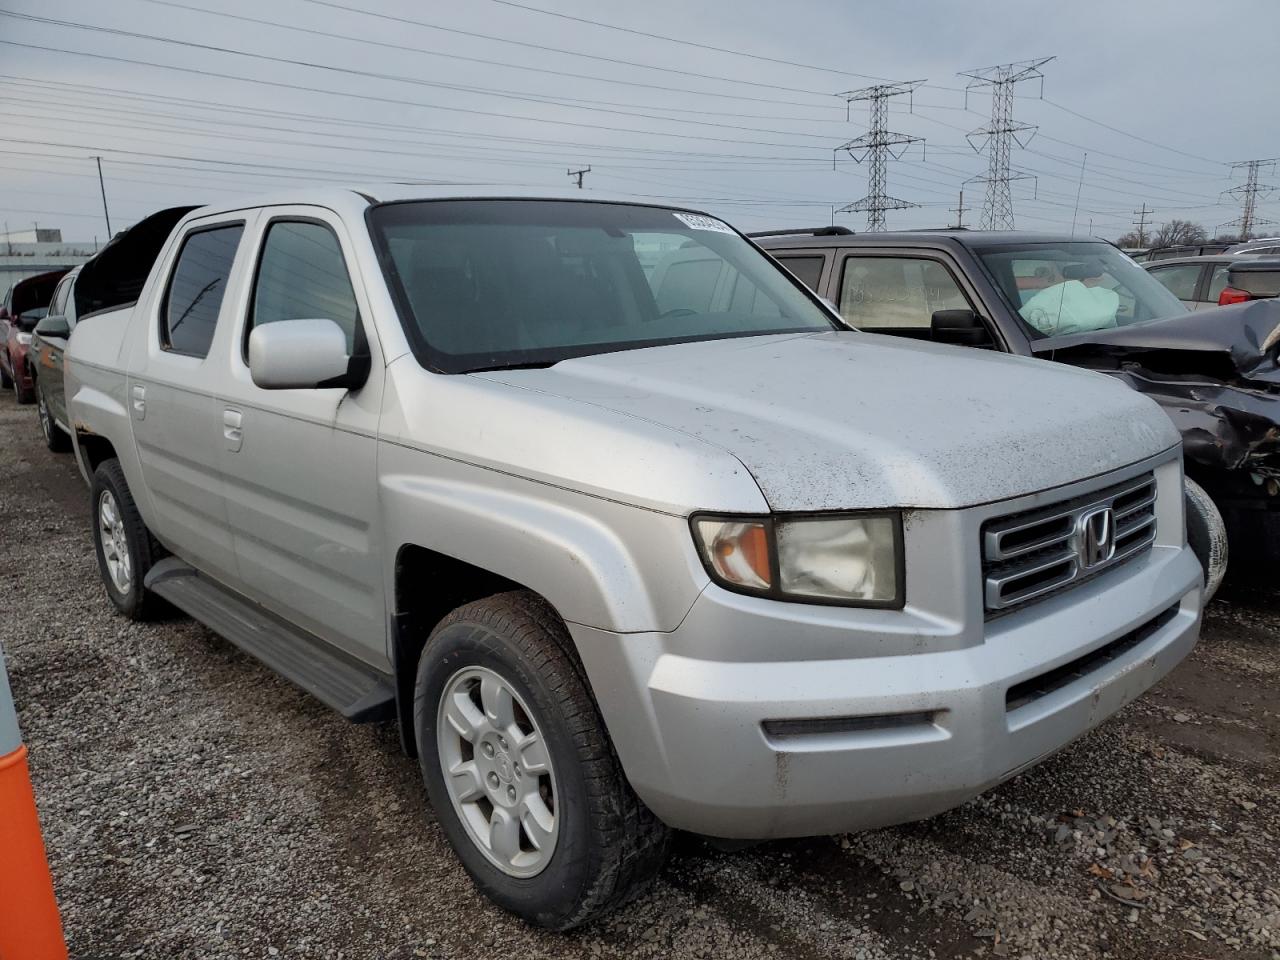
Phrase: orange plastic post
(30, 928)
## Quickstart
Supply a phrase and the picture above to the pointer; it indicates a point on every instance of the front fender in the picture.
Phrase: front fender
(599, 563)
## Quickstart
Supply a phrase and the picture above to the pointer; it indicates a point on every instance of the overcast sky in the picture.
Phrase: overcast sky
(1161, 95)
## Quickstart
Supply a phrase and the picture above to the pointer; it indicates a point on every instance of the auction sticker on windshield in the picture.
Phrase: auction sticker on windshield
(697, 222)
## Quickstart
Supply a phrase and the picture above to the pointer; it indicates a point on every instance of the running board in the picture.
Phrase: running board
(354, 689)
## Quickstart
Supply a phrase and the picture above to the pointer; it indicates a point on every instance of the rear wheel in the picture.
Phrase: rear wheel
(54, 438)
(1207, 536)
(125, 547)
(22, 396)
(520, 771)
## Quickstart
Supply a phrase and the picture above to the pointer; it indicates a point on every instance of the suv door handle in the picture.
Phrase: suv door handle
(139, 402)
(231, 431)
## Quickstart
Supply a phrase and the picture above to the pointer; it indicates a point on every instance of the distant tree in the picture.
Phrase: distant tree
(1179, 232)
(1130, 239)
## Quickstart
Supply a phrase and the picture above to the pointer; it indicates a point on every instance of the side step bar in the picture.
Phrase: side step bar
(354, 689)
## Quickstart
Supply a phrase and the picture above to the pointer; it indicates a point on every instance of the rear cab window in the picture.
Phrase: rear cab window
(193, 299)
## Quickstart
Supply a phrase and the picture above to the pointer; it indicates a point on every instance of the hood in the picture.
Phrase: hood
(848, 420)
(1225, 342)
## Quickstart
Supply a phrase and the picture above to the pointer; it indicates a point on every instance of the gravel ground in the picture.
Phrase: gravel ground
(195, 805)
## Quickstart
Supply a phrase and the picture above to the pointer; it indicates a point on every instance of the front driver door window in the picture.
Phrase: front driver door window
(897, 294)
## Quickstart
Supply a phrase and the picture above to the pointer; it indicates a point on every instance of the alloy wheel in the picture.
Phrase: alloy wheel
(115, 542)
(498, 771)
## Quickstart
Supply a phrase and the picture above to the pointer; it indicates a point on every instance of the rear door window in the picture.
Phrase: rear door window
(1217, 282)
(196, 288)
(896, 293)
(808, 270)
(1180, 279)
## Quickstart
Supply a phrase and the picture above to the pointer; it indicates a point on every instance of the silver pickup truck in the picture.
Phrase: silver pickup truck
(616, 564)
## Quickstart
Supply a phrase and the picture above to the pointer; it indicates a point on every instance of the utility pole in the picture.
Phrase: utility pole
(103, 187)
(1248, 193)
(579, 174)
(1079, 187)
(878, 145)
(959, 210)
(998, 136)
(1141, 223)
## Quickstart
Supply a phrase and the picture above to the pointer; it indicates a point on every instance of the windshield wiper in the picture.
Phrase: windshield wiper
(516, 365)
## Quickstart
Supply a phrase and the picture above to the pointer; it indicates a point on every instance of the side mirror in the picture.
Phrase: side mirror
(304, 355)
(56, 327)
(963, 327)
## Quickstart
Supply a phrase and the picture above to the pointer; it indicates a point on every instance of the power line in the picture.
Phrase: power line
(486, 62)
(398, 101)
(877, 145)
(1000, 134)
(549, 49)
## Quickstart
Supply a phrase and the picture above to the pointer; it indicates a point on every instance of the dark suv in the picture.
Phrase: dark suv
(1085, 303)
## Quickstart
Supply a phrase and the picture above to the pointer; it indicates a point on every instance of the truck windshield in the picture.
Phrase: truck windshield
(1068, 287)
(489, 284)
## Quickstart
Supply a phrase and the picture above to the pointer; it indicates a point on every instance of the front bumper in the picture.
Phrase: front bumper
(757, 719)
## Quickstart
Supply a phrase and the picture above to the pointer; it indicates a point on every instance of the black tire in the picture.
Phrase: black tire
(1207, 536)
(54, 437)
(609, 845)
(136, 603)
(6, 381)
(22, 396)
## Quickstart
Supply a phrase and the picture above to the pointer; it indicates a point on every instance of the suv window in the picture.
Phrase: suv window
(891, 293)
(1179, 279)
(1217, 282)
(196, 288)
(808, 270)
(58, 305)
(302, 276)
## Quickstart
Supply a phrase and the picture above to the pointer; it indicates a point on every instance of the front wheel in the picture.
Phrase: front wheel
(520, 771)
(54, 438)
(1207, 536)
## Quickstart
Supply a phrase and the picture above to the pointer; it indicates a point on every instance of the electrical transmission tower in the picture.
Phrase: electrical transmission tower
(578, 174)
(1141, 223)
(878, 145)
(998, 136)
(1248, 193)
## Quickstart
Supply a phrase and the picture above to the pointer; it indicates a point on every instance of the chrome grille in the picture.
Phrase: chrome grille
(1029, 555)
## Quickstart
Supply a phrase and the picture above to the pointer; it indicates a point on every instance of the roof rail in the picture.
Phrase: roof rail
(805, 232)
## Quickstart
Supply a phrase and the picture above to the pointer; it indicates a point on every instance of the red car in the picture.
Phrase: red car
(24, 305)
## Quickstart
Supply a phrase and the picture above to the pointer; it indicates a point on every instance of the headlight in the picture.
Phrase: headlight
(24, 339)
(853, 559)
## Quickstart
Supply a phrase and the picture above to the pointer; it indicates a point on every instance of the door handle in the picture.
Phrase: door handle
(231, 432)
(139, 402)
